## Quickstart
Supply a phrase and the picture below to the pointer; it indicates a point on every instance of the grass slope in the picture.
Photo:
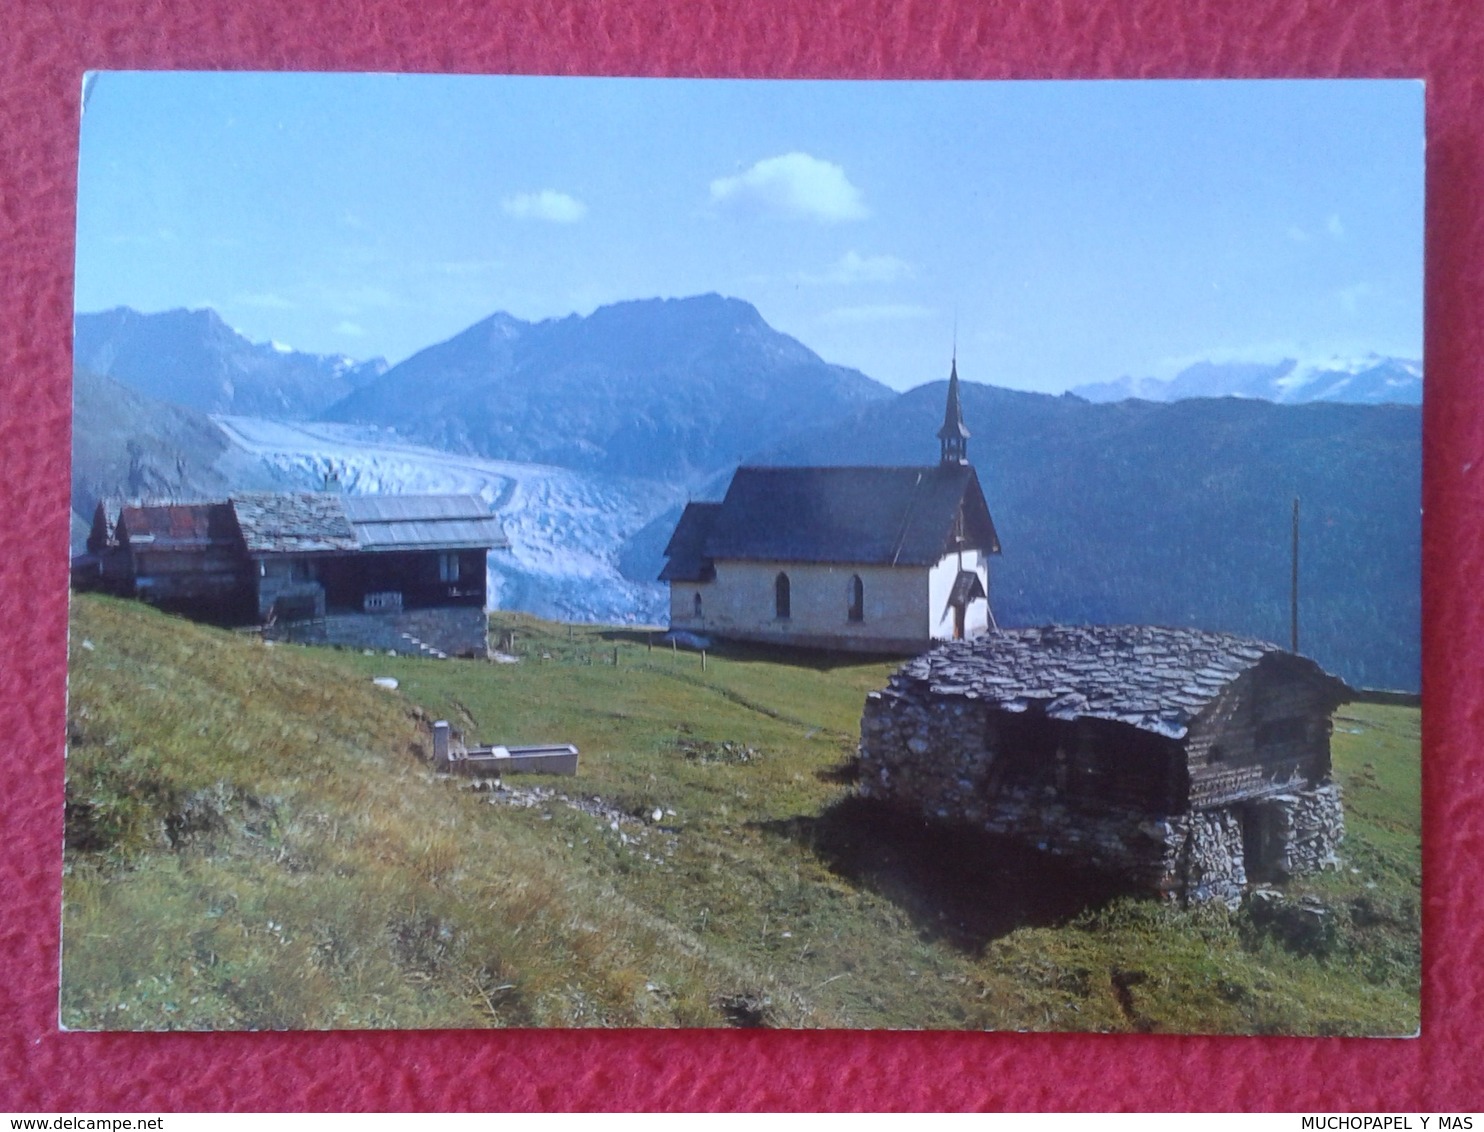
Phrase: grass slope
(255, 841)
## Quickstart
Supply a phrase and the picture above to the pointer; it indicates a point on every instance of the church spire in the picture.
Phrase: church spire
(954, 435)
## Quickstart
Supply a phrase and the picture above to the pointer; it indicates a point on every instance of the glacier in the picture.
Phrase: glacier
(565, 527)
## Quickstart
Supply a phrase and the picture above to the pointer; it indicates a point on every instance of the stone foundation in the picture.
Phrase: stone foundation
(1298, 832)
(1208, 865)
(458, 631)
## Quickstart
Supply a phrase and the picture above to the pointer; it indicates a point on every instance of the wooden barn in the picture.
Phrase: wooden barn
(1191, 763)
(404, 572)
(183, 557)
(870, 559)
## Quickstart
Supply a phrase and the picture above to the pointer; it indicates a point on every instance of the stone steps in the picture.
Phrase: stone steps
(424, 649)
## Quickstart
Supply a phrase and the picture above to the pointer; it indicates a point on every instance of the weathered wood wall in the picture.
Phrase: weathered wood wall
(1269, 731)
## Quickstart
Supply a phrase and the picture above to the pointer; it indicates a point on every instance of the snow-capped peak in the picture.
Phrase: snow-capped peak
(1368, 378)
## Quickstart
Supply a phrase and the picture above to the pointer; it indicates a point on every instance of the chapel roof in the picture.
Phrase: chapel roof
(685, 554)
(953, 411)
(868, 516)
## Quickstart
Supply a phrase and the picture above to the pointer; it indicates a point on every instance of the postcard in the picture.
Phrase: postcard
(590, 552)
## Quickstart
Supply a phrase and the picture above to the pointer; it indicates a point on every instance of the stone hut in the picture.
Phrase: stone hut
(1189, 763)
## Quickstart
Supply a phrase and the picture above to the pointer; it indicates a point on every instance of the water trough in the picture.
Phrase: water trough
(451, 756)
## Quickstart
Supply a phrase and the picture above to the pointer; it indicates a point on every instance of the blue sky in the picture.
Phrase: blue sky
(1071, 232)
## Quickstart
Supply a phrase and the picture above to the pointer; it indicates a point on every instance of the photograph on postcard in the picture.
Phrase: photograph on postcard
(652, 552)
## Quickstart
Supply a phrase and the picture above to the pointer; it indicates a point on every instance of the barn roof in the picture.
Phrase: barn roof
(305, 522)
(1152, 678)
(299, 522)
(177, 526)
(686, 550)
(871, 516)
(423, 522)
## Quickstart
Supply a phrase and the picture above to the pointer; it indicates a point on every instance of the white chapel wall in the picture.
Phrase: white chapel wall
(940, 586)
(740, 602)
(683, 605)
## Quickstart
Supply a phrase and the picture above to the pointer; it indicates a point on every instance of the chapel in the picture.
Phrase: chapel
(869, 559)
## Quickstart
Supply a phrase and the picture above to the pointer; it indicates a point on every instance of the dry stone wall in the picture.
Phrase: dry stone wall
(931, 754)
(1306, 827)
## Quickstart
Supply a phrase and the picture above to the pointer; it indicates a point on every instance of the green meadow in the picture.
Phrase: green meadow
(255, 840)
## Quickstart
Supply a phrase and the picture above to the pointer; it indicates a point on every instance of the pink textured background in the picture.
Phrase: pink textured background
(43, 52)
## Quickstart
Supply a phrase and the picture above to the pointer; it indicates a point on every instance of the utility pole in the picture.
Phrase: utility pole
(1293, 588)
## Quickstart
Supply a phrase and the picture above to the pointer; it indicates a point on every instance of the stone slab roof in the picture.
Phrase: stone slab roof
(870, 516)
(1152, 678)
(298, 522)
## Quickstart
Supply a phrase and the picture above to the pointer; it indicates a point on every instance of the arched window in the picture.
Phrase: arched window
(781, 604)
(697, 606)
(857, 611)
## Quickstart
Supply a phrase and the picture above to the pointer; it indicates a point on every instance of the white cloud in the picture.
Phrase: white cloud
(353, 329)
(853, 267)
(1297, 234)
(794, 184)
(881, 312)
(1334, 227)
(548, 204)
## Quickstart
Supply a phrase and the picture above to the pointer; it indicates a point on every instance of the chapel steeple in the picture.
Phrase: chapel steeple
(954, 436)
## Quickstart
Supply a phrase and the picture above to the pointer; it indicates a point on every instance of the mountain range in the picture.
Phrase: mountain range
(1367, 380)
(667, 389)
(193, 358)
(1172, 512)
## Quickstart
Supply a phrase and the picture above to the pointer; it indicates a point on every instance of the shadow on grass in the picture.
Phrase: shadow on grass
(847, 773)
(958, 886)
